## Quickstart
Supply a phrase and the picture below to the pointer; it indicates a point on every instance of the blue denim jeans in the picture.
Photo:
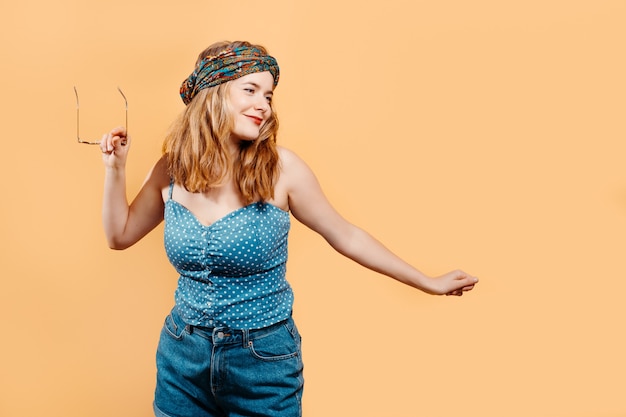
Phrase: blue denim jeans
(204, 372)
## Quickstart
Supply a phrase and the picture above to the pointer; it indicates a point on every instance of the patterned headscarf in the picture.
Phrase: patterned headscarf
(228, 65)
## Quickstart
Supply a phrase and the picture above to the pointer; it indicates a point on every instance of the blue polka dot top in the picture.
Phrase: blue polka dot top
(232, 272)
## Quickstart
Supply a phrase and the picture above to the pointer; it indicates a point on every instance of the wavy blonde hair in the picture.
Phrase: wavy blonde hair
(196, 150)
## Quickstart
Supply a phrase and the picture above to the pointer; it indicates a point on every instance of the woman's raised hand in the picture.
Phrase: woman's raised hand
(114, 146)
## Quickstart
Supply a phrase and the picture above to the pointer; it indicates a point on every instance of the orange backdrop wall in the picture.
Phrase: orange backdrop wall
(484, 135)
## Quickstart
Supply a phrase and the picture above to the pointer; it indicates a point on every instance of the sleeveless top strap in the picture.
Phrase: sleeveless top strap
(169, 196)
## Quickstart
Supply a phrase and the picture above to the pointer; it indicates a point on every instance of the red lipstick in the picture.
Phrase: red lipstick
(256, 120)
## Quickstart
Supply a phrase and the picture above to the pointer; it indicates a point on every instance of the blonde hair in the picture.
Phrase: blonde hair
(196, 150)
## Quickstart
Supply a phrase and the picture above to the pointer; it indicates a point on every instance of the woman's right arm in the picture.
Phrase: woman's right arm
(124, 224)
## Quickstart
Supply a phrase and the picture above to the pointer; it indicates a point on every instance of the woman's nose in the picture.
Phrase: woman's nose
(262, 104)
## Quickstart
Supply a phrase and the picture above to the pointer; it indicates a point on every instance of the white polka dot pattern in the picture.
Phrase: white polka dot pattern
(232, 273)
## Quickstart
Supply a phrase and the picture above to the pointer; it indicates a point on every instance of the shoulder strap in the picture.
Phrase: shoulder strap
(169, 196)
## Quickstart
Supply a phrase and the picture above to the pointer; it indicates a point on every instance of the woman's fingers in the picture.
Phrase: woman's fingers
(460, 282)
(120, 136)
(113, 140)
(104, 143)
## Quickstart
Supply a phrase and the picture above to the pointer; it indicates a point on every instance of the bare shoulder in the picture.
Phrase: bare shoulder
(159, 174)
(160, 166)
(158, 179)
(290, 162)
(286, 156)
(307, 201)
(295, 175)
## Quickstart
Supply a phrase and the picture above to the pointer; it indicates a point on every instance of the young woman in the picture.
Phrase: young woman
(229, 347)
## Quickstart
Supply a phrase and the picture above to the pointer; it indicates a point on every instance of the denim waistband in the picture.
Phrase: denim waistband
(225, 335)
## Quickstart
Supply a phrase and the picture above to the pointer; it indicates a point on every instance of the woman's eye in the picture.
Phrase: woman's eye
(249, 90)
(269, 99)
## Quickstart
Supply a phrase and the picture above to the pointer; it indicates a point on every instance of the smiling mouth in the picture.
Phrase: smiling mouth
(256, 120)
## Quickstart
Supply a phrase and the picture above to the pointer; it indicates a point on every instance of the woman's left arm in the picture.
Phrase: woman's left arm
(310, 206)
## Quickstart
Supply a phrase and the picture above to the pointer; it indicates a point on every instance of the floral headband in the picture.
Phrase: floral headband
(228, 65)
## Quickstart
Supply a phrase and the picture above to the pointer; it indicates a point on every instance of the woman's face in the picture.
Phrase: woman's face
(250, 97)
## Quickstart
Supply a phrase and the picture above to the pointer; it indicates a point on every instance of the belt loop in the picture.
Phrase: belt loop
(189, 328)
(245, 337)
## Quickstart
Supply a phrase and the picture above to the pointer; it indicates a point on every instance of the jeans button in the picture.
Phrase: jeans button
(220, 335)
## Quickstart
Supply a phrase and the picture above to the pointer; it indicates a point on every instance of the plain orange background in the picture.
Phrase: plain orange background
(485, 135)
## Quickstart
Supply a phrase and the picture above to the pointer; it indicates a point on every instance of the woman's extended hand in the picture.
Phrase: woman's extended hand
(114, 146)
(453, 283)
